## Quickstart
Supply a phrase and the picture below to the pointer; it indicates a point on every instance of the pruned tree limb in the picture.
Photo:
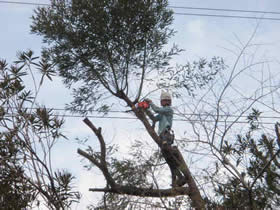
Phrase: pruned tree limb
(100, 138)
(92, 159)
(101, 163)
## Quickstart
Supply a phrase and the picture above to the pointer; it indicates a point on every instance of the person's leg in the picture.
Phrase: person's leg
(163, 138)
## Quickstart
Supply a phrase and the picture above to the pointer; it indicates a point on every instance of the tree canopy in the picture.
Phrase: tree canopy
(105, 45)
(115, 48)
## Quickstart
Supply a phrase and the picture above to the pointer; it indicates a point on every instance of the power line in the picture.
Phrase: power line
(174, 7)
(189, 14)
(125, 112)
(227, 16)
(225, 10)
(24, 3)
(134, 118)
(176, 119)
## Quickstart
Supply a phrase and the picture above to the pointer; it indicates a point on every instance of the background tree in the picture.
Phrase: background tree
(117, 48)
(28, 135)
(262, 170)
(15, 193)
(227, 131)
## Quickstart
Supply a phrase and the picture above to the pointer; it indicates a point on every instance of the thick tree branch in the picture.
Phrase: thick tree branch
(101, 164)
(100, 138)
(92, 159)
(102, 167)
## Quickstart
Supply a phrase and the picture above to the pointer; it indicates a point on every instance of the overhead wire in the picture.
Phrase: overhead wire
(191, 14)
(171, 6)
(128, 111)
(227, 16)
(175, 119)
(24, 3)
(134, 118)
(225, 10)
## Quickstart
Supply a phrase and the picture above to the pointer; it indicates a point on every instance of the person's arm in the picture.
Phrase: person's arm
(161, 110)
(149, 113)
(153, 117)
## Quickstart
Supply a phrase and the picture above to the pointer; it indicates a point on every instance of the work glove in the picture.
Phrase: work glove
(148, 100)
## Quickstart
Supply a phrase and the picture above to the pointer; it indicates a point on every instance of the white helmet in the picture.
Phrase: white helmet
(165, 96)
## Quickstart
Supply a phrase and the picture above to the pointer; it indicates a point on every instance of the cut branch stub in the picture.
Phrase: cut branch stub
(100, 138)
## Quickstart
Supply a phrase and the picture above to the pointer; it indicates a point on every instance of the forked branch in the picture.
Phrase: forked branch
(101, 163)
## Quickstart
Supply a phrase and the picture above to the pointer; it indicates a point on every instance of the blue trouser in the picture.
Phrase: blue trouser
(167, 136)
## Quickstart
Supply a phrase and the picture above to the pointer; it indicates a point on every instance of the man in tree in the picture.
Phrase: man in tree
(164, 117)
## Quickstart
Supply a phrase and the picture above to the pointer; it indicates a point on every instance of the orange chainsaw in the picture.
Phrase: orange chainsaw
(143, 104)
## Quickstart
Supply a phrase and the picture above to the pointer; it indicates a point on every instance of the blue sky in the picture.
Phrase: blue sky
(199, 36)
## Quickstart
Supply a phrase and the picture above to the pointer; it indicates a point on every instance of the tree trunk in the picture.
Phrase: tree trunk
(172, 156)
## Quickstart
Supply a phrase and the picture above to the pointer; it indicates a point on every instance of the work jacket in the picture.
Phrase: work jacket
(164, 116)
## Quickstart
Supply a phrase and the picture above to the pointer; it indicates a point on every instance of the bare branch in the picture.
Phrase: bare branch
(100, 138)
(143, 73)
(90, 158)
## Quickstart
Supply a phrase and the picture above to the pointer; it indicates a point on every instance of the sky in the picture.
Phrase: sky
(200, 36)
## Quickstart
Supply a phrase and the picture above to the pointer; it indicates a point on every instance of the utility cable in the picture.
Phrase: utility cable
(225, 10)
(176, 119)
(134, 118)
(125, 112)
(172, 7)
(190, 14)
(24, 3)
(227, 16)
